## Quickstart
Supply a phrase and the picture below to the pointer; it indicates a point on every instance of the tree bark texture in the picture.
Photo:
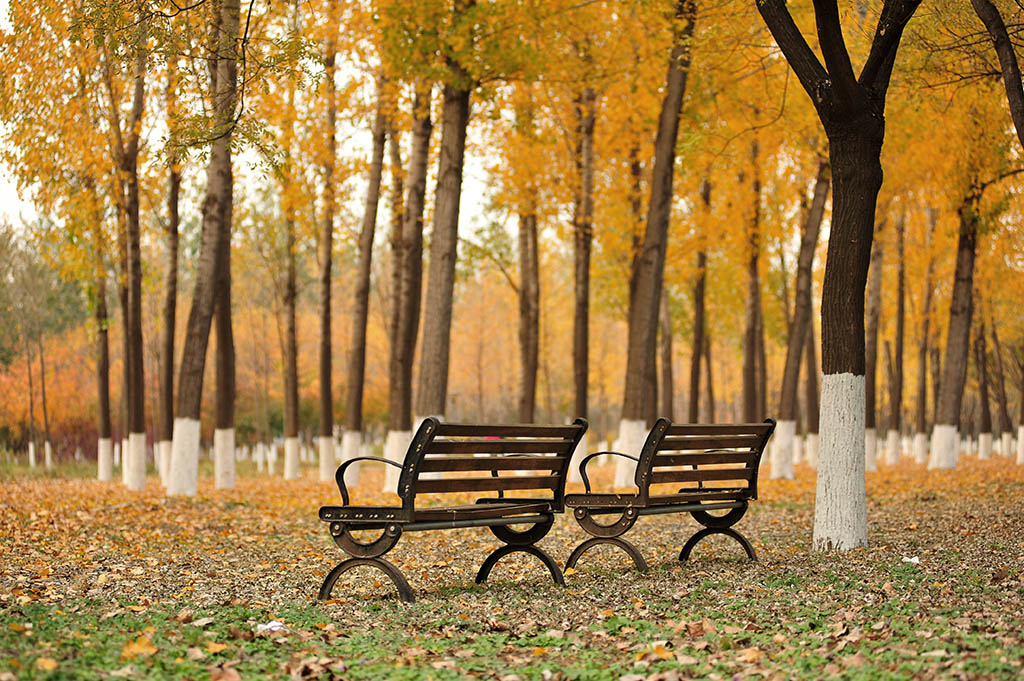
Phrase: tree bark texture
(42, 389)
(643, 319)
(327, 231)
(529, 315)
(896, 384)
(225, 357)
(31, 392)
(165, 421)
(583, 236)
(432, 389)
(811, 401)
(751, 336)
(1005, 424)
(361, 306)
(802, 296)
(709, 408)
(291, 342)
(981, 364)
(699, 314)
(961, 310)
(218, 195)
(874, 309)
(921, 414)
(667, 382)
(1008, 65)
(410, 262)
(102, 354)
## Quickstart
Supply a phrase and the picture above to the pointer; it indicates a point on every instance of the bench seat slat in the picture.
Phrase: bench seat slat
(701, 475)
(491, 463)
(486, 484)
(707, 493)
(718, 429)
(498, 447)
(702, 458)
(526, 430)
(478, 511)
(686, 442)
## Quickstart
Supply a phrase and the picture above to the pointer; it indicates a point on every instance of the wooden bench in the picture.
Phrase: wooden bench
(445, 458)
(727, 456)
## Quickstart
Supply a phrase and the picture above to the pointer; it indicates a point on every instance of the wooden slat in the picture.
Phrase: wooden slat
(701, 458)
(702, 475)
(491, 463)
(718, 429)
(475, 511)
(709, 442)
(706, 494)
(486, 484)
(498, 446)
(524, 430)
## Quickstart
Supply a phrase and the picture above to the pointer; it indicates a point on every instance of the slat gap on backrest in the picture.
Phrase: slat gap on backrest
(702, 458)
(757, 429)
(499, 446)
(434, 464)
(701, 475)
(689, 442)
(486, 484)
(471, 430)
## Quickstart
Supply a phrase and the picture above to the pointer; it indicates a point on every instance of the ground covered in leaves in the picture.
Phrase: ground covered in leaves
(100, 583)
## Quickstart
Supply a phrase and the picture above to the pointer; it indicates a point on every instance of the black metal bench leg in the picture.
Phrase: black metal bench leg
(404, 590)
(728, 531)
(630, 550)
(498, 554)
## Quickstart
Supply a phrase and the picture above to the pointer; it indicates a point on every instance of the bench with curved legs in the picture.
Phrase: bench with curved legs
(462, 458)
(726, 455)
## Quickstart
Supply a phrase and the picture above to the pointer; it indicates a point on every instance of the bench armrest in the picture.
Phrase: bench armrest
(339, 475)
(586, 460)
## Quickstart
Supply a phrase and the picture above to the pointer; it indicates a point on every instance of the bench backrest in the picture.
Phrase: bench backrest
(728, 456)
(524, 457)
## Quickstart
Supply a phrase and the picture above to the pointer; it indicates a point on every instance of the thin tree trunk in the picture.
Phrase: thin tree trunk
(583, 236)
(361, 307)
(102, 356)
(411, 266)
(165, 418)
(291, 343)
(1009, 67)
(397, 197)
(31, 402)
(699, 314)
(751, 336)
(710, 388)
(327, 244)
(811, 385)
(936, 366)
(981, 364)
(667, 383)
(1005, 424)
(529, 315)
(896, 387)
(643, 320)
(432, 390)
(874, 304)
(921, 416)
(42, 390)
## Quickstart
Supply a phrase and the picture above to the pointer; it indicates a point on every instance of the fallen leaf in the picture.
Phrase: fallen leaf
(223, 672)
(855, 660)
(750, 654)
(214, 647)
(202, 622)
(46, 664)
(195, 654)
(685, 659)
(140, 647)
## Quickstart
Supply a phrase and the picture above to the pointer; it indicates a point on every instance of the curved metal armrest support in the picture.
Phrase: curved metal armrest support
(586, 460)
(339, 475)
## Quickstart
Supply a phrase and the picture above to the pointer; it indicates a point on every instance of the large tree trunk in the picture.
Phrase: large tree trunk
(667, 382)
(985, 420)
(529, 315)
(751, 382)
(185, 450)
(699, 315)
(165, 420)
(1005, 424)
(643, 314)
(325, 444)
(874, 305)
(409, 259)
(104, 451)
(785, 430)
(432, 390)
(921, 416)
(352, 439)
(224, 433)
(892, 447)
(945, 439)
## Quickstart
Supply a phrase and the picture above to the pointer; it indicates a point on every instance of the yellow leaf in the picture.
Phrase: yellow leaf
(17, 627)
(140, 647)
(214, 647)
(750, 655)
(46, 664)
(539, 650)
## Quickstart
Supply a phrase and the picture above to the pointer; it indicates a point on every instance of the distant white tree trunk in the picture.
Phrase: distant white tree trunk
(985, 445)
(782, 452)
(291, 458)
(325, 445)
(105, 460)
(224, 458)
(135, 462)
(870, 450)
(183, 476)
(632, 434)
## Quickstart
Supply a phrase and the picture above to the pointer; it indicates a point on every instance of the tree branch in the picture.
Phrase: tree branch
(812, 75)
(833, 45)
(878, 67)
(989, 15)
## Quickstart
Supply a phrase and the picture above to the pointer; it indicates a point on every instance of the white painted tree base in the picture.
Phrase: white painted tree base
(632, 435)
(870, 450)
(105, 460)
(124, 461)
(325, 450)
(183, 476)
(135, 462)
(395, 447)
(581, 451)
(782, 451)
(351, 448)
(944, 447)
(260, 457)
(271, 458)
(811, 447)
(921, 448)
(1007, 444)
(291, 458)
(48, 455)
(164, 462)
(798, 449)
(985, 446)
(117, 454)
(1020, 445)
(840, 510)
(31, 454)
(224, 458)
(892, 448)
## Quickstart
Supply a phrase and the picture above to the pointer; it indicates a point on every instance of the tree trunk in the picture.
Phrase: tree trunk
(165, 417)
(432, 390)
(751, 336)
(985, 420)
(529, 315)
(361, 302)
(291, 343)
(104, 452)
(896, 382)
(31, 405)
(224, 434)
(397, 197)
(47, 442)
(326, 440)
(583, 236)
(710, 388)
(921, 415)
(667, 383)
(945, 441)
(643, 318)
(874, 305)
(699, 314)
(409, 260)
(1005, 424)
(1008, 65)
(811, 405)
(782, 462)
(185, 451)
